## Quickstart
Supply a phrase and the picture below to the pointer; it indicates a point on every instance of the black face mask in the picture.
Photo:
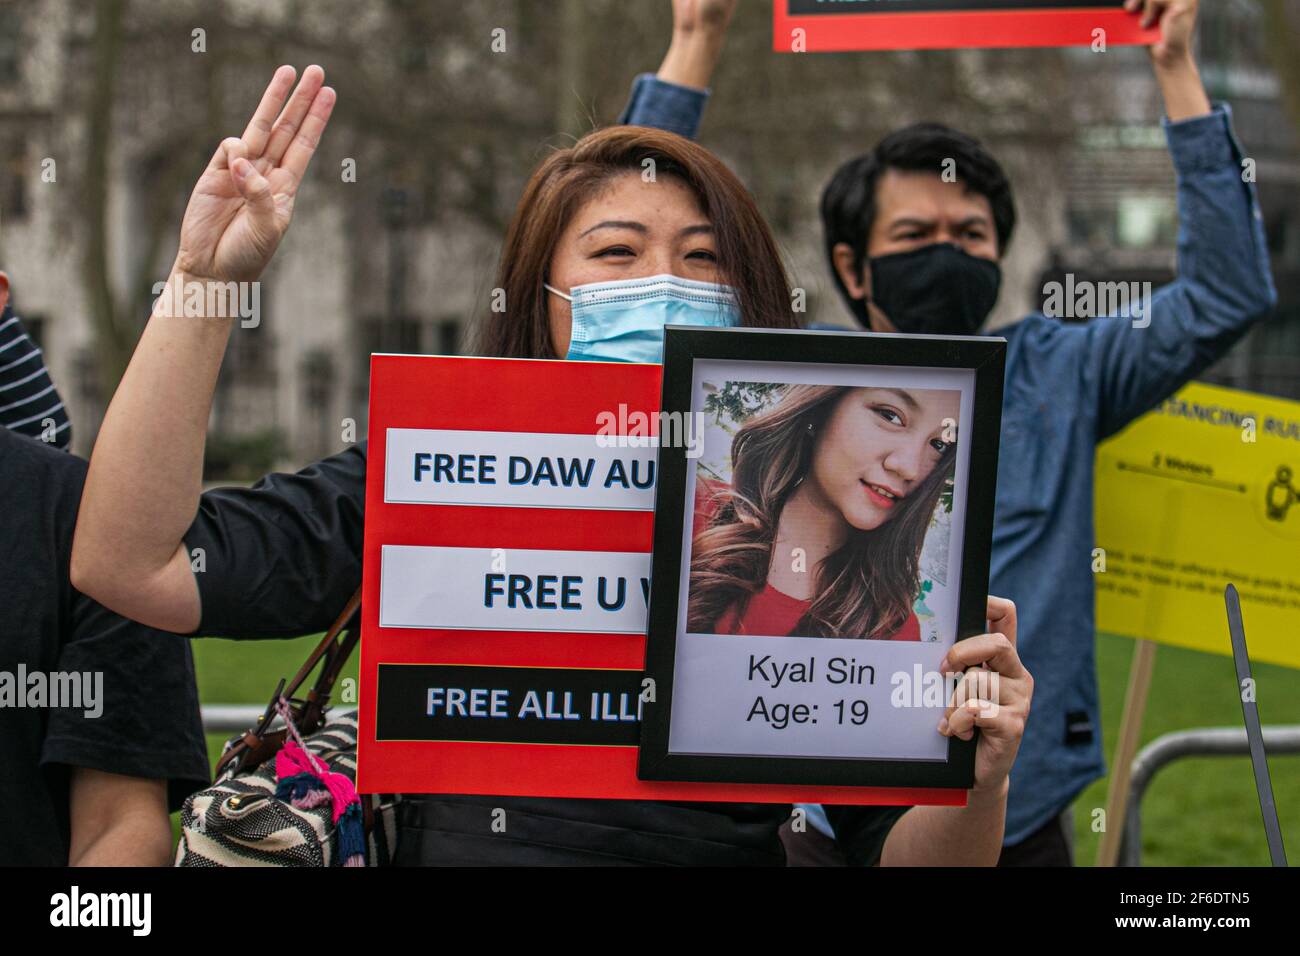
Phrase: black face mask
(938, 289)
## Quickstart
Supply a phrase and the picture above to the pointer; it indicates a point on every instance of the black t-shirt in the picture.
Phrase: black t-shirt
(139, 717)
(282, 559)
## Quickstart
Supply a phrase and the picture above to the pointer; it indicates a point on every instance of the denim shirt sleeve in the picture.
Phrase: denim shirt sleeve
(1224, 284)
(667, 106)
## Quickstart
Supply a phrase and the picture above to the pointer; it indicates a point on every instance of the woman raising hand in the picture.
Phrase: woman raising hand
(238, 213)
(242, 204)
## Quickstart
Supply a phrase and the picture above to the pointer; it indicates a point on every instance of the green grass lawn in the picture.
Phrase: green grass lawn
(1197, 812)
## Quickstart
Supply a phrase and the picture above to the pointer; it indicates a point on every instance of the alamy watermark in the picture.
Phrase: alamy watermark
(921, 688)
(74, 690)
(75, 908)
(198, 299)
(1085, 299)
(634, 429)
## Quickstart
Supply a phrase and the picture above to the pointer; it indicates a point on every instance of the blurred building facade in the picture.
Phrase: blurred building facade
(400, 257)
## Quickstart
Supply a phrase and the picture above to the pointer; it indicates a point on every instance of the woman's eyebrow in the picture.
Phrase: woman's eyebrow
(695, 230)
(615, 224)
(904, 395)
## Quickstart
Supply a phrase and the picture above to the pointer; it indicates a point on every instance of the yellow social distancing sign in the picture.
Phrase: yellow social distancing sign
(1199, 493)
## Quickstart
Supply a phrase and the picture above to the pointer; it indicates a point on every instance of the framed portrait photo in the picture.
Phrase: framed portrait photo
(823, 521)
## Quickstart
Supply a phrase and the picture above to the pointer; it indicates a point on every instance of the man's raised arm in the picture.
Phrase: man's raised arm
(1224, 284)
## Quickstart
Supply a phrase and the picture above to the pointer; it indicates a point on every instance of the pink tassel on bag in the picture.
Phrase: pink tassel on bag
(306, 782)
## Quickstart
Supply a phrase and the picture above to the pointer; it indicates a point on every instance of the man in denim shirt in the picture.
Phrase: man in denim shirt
(913, 253)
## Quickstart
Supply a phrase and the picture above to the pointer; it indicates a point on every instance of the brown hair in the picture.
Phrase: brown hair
(748, 258)
(865, 589)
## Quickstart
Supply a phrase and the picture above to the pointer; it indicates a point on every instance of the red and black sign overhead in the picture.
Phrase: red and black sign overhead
(821, 26)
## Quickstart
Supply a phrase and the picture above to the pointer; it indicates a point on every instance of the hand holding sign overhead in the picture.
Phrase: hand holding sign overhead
(1176, 19)
(1171, 54)
(242, 204)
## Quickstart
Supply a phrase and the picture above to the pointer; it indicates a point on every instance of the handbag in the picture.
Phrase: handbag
(246, 818)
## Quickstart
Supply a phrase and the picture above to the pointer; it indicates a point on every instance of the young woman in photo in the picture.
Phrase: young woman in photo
(820, 532)
(282, 557)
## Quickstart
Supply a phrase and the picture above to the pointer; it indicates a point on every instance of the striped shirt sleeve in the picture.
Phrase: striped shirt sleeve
(29, 402)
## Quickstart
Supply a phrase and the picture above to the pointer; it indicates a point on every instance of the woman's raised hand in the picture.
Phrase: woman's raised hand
(242, 204)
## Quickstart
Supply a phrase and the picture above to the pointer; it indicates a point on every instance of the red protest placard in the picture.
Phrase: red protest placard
(507, 556)
(824, 26)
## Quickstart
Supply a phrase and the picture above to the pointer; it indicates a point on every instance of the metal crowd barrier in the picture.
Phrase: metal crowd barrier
(229, 718)
(1201, 742)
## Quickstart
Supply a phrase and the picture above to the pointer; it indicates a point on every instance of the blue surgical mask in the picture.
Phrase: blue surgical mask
(624, 321)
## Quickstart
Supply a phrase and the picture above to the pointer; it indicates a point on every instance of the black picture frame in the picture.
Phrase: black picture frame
(985, 357)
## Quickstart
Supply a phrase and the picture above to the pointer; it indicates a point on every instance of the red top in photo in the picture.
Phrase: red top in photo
(770, 612)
